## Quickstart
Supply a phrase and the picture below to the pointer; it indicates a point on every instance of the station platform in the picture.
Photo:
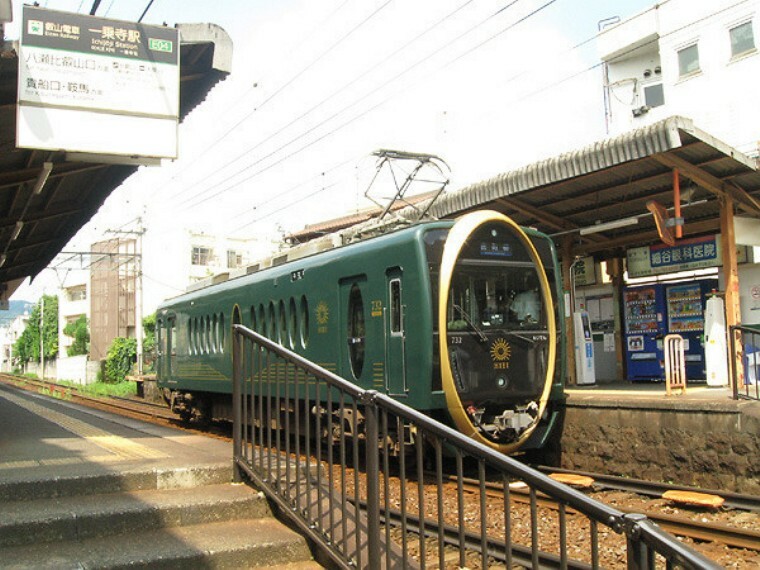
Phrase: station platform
(40, 436)
(702, 438)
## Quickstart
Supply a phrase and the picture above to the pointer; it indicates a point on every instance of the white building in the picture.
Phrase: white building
(8, 337)
(174, 259)
(695, 58)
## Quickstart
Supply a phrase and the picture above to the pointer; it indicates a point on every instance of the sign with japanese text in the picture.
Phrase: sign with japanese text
(585, 271)
(90, 84)
(686, 255)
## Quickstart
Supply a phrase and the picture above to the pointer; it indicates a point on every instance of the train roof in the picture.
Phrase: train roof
(357, 235)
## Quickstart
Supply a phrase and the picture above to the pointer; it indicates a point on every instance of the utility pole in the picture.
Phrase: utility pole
(42, 337)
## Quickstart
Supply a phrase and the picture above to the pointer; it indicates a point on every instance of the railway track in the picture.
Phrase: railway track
(681, 526)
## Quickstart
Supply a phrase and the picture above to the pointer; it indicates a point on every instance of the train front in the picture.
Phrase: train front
(497, 310)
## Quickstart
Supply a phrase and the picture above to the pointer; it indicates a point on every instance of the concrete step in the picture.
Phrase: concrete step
(39, 483)
(91, 516)
(254, 543)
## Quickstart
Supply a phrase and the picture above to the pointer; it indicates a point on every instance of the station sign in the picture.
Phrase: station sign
(584, 271)
(94, 85)
(685, 255)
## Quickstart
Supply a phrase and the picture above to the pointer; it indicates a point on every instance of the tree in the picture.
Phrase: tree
(121, 356)
(149, 341)
(27, 347)
(80, 332)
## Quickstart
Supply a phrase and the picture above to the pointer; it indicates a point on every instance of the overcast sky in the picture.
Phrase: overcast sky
(316, 86)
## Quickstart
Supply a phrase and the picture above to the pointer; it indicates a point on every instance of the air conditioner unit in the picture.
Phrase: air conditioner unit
(639, 111)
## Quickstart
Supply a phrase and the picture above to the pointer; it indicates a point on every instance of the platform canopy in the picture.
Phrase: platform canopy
(35, 225)
(598, 195)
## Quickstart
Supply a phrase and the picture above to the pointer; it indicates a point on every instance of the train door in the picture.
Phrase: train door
(353, 302)
(170, 348)
(395, 335)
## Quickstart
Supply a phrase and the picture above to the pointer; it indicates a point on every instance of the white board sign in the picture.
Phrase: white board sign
(89, 84)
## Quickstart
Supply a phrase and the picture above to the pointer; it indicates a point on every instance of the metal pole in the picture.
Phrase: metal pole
(138, 301)
(237, 412)
(373, 481)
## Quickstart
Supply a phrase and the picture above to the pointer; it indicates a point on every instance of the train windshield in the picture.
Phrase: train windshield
(496, 295)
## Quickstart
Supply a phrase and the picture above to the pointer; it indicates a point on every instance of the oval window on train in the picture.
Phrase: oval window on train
(272, 323)
(221, 332)
(253, 319)
(356, 330)
(292, 318)
(262, 320)
(282, 333)
(304, 322)
(214, 333)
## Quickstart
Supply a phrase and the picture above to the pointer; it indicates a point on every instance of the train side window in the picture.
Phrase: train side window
(172, 336)
(272, 323)
(199, 335)
(356, 330)
(214, 334)
(304, 322)
(282, 331)
(262, 320)
(253, 319)
(292, 322)
(190, 344)
(207, 339)
(221, 332)
(396, 316)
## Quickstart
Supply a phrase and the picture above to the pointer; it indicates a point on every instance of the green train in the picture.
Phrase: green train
(461, 320)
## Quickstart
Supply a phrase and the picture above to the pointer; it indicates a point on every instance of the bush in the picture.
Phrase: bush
(79, 331)
(121, 356)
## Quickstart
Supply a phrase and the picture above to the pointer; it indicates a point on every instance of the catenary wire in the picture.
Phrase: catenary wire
(335, 93)
(189, 201)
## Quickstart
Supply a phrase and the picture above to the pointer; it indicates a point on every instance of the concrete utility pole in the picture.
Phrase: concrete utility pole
(42, 336)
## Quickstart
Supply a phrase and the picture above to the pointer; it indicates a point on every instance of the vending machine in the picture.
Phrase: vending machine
(644, 315)
(685, 304)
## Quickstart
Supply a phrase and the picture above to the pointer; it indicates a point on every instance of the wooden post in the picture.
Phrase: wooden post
(731, 277)
(615, 271)
(567, 260)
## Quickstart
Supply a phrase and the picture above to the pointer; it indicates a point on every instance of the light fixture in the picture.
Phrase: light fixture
(613, 225)
(47, 168)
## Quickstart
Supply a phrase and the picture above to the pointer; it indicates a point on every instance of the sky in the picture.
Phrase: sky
(317, 86)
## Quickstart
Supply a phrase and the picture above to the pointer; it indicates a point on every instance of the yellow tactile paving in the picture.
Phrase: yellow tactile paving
(120, 446)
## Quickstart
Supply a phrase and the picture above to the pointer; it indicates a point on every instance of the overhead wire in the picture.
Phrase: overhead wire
(298, 74)
(340, 112)
(339, 90)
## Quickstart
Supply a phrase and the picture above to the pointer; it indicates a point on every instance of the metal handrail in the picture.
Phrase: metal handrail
(746, 382)
(270, 382)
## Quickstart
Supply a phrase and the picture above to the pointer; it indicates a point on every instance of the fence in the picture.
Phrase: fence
(380, 485)
(745, 380)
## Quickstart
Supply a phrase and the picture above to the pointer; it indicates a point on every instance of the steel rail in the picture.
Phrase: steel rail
(718, 532)
(656, 489)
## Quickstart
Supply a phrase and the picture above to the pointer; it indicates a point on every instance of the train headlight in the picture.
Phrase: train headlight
(501, 382)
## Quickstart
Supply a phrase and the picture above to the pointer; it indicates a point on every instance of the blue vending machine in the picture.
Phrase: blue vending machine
(686, 316)
(644, 314)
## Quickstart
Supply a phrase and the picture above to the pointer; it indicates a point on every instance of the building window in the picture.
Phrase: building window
(78, 293)
(654, 96)
(688, 60)
(234, 259)
(202, 255)
(742, 39)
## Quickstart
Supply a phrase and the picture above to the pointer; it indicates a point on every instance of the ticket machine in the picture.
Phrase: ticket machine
(584, 349)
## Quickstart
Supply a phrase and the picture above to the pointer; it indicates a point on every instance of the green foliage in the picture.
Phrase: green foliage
(121, 389)
(27, 347)
(79, 331)
(149, 341)
(121, 356)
